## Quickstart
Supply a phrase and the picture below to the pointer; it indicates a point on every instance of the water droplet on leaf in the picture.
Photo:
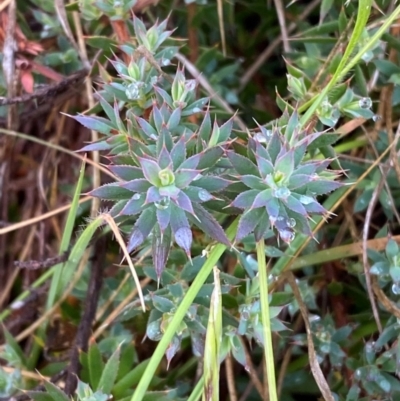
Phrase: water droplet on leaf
(396, 288)
(282, 193)
(365, 103)
(204, 195)
(136, 197)
(306, 200)
(163, 203)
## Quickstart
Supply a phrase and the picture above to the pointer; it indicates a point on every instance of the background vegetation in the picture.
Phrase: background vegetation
(304, 95)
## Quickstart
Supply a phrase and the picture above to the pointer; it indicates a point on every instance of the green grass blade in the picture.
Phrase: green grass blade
(180, 313)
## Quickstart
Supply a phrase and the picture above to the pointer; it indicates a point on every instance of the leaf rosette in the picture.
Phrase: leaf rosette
(282, 186)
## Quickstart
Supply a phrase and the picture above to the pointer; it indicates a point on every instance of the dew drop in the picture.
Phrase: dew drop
(396, 288)
(358, 374)
(287, 235)
(306, 200)
(136, 197)
(163, 203)
(282, 193)
(376, 117)
(132, 91)
(165, 62)
(291, 222)
(365, 103)
(204, 195)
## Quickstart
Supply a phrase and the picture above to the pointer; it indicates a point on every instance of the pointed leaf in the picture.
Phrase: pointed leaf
(295, 205)
(209, 225)
(133, 206)
(178, 153)
(150, 170)
(274, 146)
(160, 249)
(242, 164)
(248, 222)
(101, 145)
(95, 123)
(113, 191)
(147, 128)
(127, 173)
(262, 226)
(253, 182)
(142, 228)
(210, 157)
(163, 218)
(265, 166)
(183, 201)
(262, 198)
(181, 229)
(298, 180)
(164, 158)
(110, 372)
(211, 183)
(245, 199)
(56, 393)
(285, 163)
(183, 177)
(138, 185)
(191, 163)
(96, 365)
(152, 195)
(322, 187)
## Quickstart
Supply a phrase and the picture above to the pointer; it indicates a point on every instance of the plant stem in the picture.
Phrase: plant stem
(180, 313)
(267, 334)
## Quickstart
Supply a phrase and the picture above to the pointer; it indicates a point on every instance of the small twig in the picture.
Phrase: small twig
(280, 11)
(42, 264)
(230, 378)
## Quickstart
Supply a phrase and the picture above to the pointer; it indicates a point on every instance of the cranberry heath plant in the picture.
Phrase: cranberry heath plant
(176, 168)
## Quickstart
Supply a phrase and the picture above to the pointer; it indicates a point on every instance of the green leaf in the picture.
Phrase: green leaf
(56, 393)
(40, 396)
(95, 364)
(17, 351)
(110, 372)
(95, 123)
(113, 191)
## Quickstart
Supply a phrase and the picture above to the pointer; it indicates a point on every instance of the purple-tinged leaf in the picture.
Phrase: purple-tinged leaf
(306, 169)
(102, 145)
(183, 201)
(160, 249)
(315, 208)
(295, 205)
(134, 206)
(291, 128)
(112, 191)
(174, 119)
(322, 187)
(242, 164)
(95, 123)
(127, 173)
(321, 165)
(164, 95)
(285, 163)
(157, 118)
(210, 157)
(137, 148)
(205, 128)
(248, 222)
(260, 150)
(118, 207)
(163, 218)
(150, 170)
(262, 198)
(178, 153)
(298, 180)
(265, 166)
(142, 228)
(164, 158)
(138, 185)
(287, 235)
(152, 195)
(147, 128)
(191, 163)
(183, 177)
(253, 182)
(172, 349)
(225, 131)
(299, 152)
(212, 183)
(274, 145)
(262, 226)
(209, 225)
(245, 199)
(195, 107)
(273, 209)
(183, 237)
